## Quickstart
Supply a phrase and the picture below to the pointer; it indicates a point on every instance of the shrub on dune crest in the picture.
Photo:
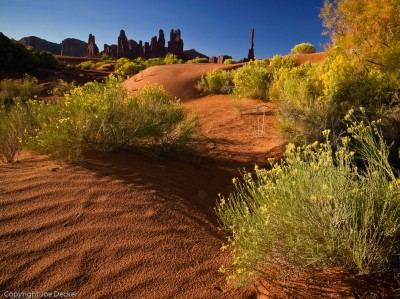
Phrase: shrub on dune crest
(303, 48)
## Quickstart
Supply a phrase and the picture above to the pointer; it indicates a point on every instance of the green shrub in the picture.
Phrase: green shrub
(46, 60)
(62, 87)
(130, 69)
(312, 97)
(172, 59)
(252, 80)
(198, 60)
(303, 48)
(103, 116)
(317, 209)
(216, 81)
(24, 90)
(229, 61)
(15, 129)
(15, 57)
(288, 61)
(87, 65)
(154, 62)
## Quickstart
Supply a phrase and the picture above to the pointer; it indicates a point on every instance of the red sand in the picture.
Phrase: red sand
(133, 226)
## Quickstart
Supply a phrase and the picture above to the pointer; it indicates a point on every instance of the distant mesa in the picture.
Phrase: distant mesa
(39, 44)
(74, 47)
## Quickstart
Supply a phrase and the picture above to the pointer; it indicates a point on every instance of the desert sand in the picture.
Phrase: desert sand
(132, 225)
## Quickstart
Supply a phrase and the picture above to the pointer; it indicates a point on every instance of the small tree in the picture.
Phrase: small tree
(303, 48)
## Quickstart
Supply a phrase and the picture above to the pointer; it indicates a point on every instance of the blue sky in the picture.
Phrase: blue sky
(211, 27)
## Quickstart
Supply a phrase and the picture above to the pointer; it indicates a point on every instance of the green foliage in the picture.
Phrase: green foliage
(46, 60)
(154, 62)
(172, 59)
(288, 61)
(252, 80)
(15, 129)
(313, 97)
(10, 89)
(16, 57)
(317, 208)
(303, 48)
(198, 60)
(87, 65)
(130, 69)
(216, 81)
(61, 87)
(229, 61)
(367, 30)
(103, 116)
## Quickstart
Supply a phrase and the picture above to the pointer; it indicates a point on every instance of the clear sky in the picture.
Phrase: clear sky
(211, 27)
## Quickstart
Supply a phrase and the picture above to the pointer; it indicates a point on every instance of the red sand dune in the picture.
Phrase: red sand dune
(129, 225)
(314, 57)
(178, 79)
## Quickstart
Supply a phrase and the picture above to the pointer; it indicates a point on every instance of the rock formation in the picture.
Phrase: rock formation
(161, 44)
(134, 49)
(39, 44)
(213, 59)
(110, 50)
(250, 56)
(153, 53)
(73, 47)
(175, 44)
(92, 49)
(222, 58)
(123, 46)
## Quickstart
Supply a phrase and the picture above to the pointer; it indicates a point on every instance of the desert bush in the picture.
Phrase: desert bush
(24, 90)
(61, 87)
(288, 61)
(87, 65)
(252, 80)
(103, 116)
(154, 62)
(130, 69)
(15, 129)
(316, 208)
(172, 59)
(14, 56)
(46, 60)
(229, 61)
(216, 81)
(198, 60)
(312, 97)
(303, 48)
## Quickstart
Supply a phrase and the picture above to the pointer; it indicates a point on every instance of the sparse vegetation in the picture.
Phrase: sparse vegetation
(303, 48)
(316, 208)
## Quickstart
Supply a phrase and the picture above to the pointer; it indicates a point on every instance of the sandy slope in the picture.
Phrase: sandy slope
(178, 79)
(134, 226)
